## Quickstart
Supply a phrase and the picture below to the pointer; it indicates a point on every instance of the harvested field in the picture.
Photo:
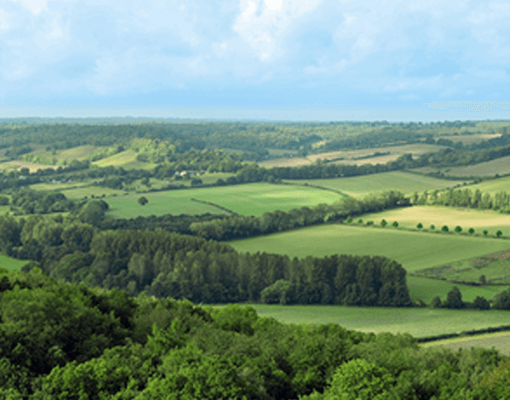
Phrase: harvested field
(500, 166)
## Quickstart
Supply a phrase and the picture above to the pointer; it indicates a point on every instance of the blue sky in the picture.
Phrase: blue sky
(264, 59)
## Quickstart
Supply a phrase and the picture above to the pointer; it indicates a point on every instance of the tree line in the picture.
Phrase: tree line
(69, 341)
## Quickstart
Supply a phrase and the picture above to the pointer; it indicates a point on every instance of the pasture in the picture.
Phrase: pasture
(125, 159)
(418, 322)
(466, 218)
(18, 164)
(413, 250)
(500, 166)
(469, 139)
(499, 340)
(360, 186)
(493, 186)
(11, 264)
(247, 199)
(76, 153)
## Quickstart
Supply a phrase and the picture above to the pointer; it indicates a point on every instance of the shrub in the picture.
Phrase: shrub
(143, 201)
(482, 279)
(485, 232)
(454, 299)
(349, 220)
(471, 231)
(370, 223)
(436, 302)
(444, 228)
(383, 223)
(458, 229)
(360, 221)
(4, 201)
(432, 227)
(395, 224)
(499, 233)
(481, 303)
(419, 226)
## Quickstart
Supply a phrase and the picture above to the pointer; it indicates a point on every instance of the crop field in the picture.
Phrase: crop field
(418, 322)
(249, 199)
(11, 264)
(18, 164)
(499, 166)
(360, 186)
(285, 162)
(470, 139)
(438, 216)
(498, 340)
(125, 159)
(91, 191)
(76, 153)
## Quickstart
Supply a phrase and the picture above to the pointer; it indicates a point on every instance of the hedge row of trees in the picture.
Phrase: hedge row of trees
(66, 341)
(277, 221)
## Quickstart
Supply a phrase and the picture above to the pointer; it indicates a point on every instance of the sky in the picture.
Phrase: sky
(317, 60)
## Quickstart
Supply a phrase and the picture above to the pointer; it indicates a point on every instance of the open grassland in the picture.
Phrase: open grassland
(76, 153)
(499, 340)
(466, 218)
(414, 250)
(11, 264)
(125, 159)
(58, 186)
(470, 139)
(18, 164)
(360, 186)
(493, 186)
(248, 199)
(160, 203)
(285, 162)
(500, 166)
(89, 191)
(418, 322)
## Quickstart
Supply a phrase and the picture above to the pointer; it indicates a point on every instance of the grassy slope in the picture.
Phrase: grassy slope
(11, 264)
(438, 215)
(500, 340)
(249, 199)
(125, 159)
(360, 186)
(499, 166)
(418, 322)
(493, 186)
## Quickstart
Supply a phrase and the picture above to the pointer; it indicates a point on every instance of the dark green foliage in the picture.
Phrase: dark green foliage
(432, 227)
(501, 301)
(436, 302)
(196, 182)
(143, 201)
(481, 303)
(444, 228)
(383, 223)
(458, 229)
(395, 224)
(499, 233)
(4, 201)
(420, 225)
(471, 231)
(482, 279)
(280, 292)
(454, 299)
(485, 232)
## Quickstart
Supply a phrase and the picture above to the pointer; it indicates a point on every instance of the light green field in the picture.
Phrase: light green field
(418, 322)
(75, 153)
(125, 159)
(249, 199)
(360, 186)
(58, 186)
(499, 166)
(11, 264)
(493, 186)
(414, 250)
(160, 203)
(89, 191)
(466, 218)
(498, 340)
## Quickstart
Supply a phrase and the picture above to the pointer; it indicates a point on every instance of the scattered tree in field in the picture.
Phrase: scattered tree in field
(419, 226)
(499, 233)
(196, 182)
(481, 303)
(444, 228)
(458, 229)
(454, 299)
(360, 221)
(349, 220)
(501, 300)
(395, 224)
(383, 223)
(370, 222)
(482, 279)
(471, 231)
(432, 227)
(436, 302)
(485, 232)
(143, 201)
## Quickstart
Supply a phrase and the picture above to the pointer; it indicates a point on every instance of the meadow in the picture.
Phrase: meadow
(248, 199)
(418, 322)
(439, 216)
(493, 186)
(500, 166)
(11, 264)
(498, 340)
(125, 159)
(359, 186)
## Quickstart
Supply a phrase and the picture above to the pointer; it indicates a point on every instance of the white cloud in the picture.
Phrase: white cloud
(34, 6)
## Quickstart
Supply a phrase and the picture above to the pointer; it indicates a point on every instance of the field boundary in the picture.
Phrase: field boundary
(214, 205)
(503, 328)
(316, 187)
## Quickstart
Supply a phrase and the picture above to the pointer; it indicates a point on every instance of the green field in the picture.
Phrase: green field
(11, 264)
(493, 186)
(498, 340)
(414, 250)
(418, 322)
(249, 199)
(499, 166)
(438, 216)
(360, 186)
(125, 159)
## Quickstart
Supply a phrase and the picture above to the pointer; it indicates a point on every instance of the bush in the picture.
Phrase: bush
(432, 227)
(482, 279)
(454, 299)
(143, 201)
(395, 224)
(4, 201)
(196, 182)
(349, 220)
(481, 303)
(471, 231)
(360, 221)
(444, 228)
(370, 223)
(458, 229)
(499, 233)
(383, 223)
(485, 232)
(419, 226)
(436, 302)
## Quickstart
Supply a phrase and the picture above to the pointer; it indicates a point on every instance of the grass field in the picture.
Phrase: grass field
(414, 250)
(11, 264)
(160, 203)
(285, 162)
(359, 186)
(498, 340)
(125, 159)
(418, 322)
(75, 153)
(18, 164)
(470, 139)
(493, 186)
(249, 199)
(499, 166)
(479, 220)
